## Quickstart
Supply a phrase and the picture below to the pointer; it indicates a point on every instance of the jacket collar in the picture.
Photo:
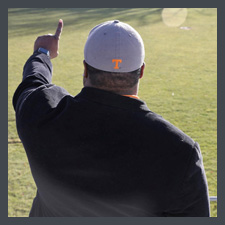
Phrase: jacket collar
(112, 99)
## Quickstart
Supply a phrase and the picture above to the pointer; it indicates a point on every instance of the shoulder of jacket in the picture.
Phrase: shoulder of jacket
(168, 131)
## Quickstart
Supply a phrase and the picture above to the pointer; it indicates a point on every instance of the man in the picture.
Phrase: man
(103, 152)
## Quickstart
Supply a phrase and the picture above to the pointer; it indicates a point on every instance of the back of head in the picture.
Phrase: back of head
(114, 53)
(114, 46)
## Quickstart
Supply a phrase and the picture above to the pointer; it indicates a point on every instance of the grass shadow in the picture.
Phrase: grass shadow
(40, 20)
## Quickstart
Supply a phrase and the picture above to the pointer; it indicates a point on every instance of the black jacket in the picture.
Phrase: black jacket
(102, 154)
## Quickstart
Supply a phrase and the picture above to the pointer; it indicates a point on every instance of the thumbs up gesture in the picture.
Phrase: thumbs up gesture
(50, 41)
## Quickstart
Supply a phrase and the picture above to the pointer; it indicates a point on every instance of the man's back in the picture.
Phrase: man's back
(102, 154)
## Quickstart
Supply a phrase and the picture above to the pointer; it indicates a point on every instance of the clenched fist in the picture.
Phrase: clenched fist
(50, 41)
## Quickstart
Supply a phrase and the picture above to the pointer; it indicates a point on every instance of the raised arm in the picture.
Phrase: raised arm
(37, 76)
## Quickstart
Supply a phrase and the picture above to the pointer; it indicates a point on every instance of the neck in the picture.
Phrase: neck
(129, 91)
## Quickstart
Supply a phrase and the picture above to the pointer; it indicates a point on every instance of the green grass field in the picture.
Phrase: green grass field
(180, 81)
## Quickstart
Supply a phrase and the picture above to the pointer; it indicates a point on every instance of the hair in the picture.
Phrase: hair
(115, 81)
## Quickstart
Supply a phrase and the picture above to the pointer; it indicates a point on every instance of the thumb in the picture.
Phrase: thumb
(59, 29)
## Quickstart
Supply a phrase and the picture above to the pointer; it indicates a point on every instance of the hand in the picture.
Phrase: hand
(50, 42)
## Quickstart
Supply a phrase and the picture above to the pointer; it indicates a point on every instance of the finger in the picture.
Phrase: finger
(59, 29)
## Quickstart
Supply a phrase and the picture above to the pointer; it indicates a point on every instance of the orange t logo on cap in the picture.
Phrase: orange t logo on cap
(117, 61)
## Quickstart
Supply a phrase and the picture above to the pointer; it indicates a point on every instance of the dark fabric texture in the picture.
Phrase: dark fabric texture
(103, 154)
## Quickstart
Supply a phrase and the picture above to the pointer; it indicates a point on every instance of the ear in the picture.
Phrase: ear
(142, 70)
(85, 69)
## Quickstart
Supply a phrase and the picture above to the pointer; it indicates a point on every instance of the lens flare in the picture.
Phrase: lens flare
(174, 17)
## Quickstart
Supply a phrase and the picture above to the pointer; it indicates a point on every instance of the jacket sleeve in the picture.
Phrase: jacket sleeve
(36, 94)
(193, 198)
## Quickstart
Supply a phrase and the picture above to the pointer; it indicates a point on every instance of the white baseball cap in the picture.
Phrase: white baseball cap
(114, 46)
